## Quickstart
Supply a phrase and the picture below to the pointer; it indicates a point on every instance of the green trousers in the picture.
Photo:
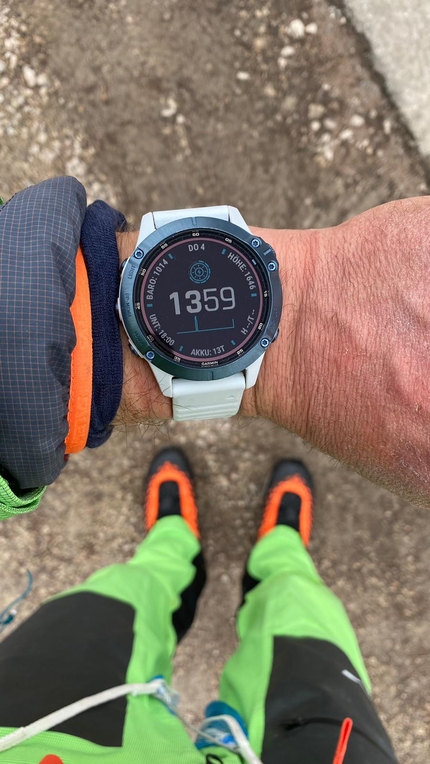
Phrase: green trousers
(285, 679)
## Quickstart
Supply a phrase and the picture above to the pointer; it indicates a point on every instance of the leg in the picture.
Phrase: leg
(298, 671)
(121, 626)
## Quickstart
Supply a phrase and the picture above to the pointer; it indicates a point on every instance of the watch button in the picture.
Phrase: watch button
(123, 264)
(276, 336)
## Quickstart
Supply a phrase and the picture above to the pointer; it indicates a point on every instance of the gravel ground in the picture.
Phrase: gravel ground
(272, 107)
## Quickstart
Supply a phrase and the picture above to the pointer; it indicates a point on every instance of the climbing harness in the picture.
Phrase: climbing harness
(222, 730)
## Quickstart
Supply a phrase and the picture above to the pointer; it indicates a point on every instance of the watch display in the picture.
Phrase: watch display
(201, 298)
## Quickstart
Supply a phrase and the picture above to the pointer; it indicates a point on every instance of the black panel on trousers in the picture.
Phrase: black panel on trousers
(307, 700)
(183, 617)
(70, 648)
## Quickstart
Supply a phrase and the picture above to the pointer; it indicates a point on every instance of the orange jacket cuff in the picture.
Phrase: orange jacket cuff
(81, 380)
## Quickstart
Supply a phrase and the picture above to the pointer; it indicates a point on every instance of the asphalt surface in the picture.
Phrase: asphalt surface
(398, 34)
(154, 105)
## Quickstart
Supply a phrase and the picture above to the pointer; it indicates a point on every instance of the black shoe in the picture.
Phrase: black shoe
(169, 489)
(289, 499)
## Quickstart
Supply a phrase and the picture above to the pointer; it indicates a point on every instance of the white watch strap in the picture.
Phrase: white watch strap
(207, 400)
(215, 398)
(154, 220)
(166, 216)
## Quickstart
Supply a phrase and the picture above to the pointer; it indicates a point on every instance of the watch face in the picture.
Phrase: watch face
(202, 298)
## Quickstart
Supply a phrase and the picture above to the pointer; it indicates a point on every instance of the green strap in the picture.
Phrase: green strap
(11, 504)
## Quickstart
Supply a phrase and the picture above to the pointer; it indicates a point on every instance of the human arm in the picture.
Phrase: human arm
(350, 371)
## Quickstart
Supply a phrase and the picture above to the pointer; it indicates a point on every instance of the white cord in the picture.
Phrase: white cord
(157, 687)
(68, 712)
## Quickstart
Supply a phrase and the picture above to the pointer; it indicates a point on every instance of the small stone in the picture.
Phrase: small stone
(315, 125)
(387, 126)
(180, 119)
(2, 67)
(296, 29)
(170, 109)
(311, 28)
(18, 101)
(357, 120)
(330, 124)
(259, 43)
(346, 135)
(29, 75)
(373, 114)
(328, 154)
(289, 104)
(243, 76)
(282, 63)
(287, 51)
(42, 80)
(315, 110)
(269, 90)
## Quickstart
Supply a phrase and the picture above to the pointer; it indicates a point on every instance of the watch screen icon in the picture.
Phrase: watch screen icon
(199, 272)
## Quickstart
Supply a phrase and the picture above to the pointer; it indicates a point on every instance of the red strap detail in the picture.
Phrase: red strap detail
(51, 759)
(342, 744)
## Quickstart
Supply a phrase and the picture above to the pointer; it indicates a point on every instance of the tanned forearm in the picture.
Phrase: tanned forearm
(350, 371)
(360, 378)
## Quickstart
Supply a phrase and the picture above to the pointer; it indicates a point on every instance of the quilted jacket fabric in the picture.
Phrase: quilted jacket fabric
(39, 236)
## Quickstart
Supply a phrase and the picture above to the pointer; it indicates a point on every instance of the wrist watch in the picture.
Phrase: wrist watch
(200, 300)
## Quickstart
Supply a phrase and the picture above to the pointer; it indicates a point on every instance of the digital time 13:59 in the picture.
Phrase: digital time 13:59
(209, 300)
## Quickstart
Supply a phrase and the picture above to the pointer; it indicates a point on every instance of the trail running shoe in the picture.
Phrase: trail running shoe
(289, 499)
(169, 489)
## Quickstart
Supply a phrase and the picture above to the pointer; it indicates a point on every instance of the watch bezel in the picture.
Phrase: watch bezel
(263, 254)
